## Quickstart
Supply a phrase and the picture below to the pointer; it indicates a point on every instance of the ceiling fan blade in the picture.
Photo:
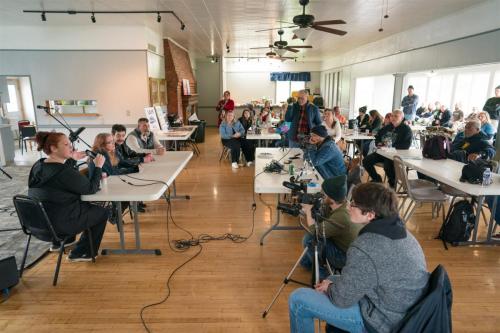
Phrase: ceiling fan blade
(300, 46)
(288, 48)
(263, 47)
(292, 26)
(330, 30)
(329, 22)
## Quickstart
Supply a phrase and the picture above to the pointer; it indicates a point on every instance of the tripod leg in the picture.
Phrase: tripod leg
(285, 282)
(5, 173)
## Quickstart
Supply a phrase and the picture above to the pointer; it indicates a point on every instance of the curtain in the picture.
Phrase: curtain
(287, 76)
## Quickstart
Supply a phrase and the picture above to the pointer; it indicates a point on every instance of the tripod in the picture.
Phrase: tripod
(5, 173)
(315, 271)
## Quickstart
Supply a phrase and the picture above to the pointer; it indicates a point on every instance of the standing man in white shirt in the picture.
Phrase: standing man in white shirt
(142, 140)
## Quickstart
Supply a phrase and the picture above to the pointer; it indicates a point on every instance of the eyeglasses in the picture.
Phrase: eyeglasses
(109, 142)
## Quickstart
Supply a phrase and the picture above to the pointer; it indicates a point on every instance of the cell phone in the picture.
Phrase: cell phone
(90, 153)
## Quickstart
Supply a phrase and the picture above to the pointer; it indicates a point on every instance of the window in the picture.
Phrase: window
(375, 92)
(284, 89)
(13, 105)
(441, 89)
(471, 91)
(419, 83)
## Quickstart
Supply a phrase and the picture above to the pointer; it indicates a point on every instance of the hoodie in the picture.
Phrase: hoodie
(59, 187)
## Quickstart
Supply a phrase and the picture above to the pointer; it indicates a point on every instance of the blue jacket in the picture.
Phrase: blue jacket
(327, 159)
(293, 116)
(227, 131)
(409, 104)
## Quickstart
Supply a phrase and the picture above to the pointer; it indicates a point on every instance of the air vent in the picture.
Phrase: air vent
(151, 48)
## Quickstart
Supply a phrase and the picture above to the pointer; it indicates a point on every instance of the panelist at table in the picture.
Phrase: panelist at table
(142, 140)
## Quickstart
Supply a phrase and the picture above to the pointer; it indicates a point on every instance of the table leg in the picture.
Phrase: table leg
(122, 249)
(488, 241)
(175, 196)
(276, 226)
(493, 211)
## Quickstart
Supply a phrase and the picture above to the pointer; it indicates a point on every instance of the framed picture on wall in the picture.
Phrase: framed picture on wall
(150, 112)
(161, 113)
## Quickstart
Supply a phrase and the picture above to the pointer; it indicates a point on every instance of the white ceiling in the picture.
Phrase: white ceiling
(210, 24)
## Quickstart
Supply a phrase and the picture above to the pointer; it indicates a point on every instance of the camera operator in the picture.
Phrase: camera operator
(339, 233)
(325, 156)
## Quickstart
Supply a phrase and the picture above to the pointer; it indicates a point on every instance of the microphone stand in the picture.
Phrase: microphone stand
(5, 173)
(72, 135)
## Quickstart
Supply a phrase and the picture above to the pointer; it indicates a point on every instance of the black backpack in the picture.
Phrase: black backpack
(473, 171)
(436, 147)
(458, 224)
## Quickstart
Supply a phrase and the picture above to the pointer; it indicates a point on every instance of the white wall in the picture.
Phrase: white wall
(118, 80)
(208, 77)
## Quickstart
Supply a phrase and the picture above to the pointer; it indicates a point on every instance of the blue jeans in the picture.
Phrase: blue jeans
(489, 201)
(307, 304)
(335, 256)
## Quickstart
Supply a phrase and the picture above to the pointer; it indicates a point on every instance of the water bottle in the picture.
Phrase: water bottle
(487, 177)
(355, 127)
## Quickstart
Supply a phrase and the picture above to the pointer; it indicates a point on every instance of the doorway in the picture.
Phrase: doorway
(16, 100)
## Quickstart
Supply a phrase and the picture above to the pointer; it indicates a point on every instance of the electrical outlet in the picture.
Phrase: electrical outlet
(127, 113)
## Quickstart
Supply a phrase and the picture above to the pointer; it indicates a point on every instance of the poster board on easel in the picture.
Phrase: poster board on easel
(161, 113)
(154, 124)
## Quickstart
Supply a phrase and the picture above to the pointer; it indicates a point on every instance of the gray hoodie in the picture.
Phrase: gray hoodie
(385, 273)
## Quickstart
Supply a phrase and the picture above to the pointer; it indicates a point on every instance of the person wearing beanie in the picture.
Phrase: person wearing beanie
(363, 119)
(338, 229)
(409, 104)
(325, 156)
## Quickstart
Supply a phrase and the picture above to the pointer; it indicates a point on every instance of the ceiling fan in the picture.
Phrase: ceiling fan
(281, 46)
(306, 22)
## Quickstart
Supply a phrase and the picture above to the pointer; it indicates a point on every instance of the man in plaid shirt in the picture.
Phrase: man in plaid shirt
(303, 117)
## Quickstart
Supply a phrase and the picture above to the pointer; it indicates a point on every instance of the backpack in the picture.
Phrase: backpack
(436, 147)
(473, 171)
(458, 224)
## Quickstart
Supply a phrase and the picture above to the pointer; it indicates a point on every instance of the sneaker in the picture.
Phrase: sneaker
(56, 245)
(249, 163)
(234, 165)
(79, 257)
(141, 204)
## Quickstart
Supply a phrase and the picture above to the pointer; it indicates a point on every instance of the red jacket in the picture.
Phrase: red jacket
(229, 106)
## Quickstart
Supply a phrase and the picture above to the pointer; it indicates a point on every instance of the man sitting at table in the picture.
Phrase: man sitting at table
(142, 140)
(123, 151)
(325, 156)
(472, 145)
(339, 231)
(398, 135)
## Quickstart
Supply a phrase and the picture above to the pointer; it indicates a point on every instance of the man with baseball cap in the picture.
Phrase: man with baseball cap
(409, 104)
(338, 229)
(324, 154)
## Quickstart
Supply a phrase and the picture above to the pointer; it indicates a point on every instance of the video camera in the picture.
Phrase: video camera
(299, 192)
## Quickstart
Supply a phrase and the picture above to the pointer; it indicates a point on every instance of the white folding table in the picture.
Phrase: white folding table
(448, 172)
(156, 178)
(272, 183)
(361, 137)
(176, 134)
(264, 135)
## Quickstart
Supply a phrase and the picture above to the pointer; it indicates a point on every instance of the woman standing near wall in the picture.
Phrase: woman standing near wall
(226, 104)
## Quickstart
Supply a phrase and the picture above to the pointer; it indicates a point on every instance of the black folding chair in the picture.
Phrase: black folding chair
(35, 222)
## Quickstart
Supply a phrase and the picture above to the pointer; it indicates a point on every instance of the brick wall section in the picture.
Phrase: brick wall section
(177, 68)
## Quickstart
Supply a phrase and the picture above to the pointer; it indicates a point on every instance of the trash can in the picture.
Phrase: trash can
(200, 133)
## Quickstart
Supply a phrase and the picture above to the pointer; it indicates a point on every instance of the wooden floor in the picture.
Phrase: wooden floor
(227, 287)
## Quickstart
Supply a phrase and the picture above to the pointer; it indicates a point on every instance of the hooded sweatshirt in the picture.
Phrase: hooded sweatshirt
(59, 187)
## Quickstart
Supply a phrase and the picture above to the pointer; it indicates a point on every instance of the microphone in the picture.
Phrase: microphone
(73, 136)
(46, 108)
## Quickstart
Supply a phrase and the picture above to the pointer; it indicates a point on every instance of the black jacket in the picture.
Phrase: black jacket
(433, 312)
(245, 123)
(128, 154)
(122, 168)
(59, 187)
(444, 118)
(401, 136)
(476, 144)
(375, 125)
(363, 123)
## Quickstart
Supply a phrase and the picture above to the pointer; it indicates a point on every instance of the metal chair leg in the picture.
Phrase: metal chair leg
(25, 256)
(58, 265)
(92, 251)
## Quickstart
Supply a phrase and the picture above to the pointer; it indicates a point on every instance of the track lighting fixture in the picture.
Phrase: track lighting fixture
(92, 17)
(227, 48)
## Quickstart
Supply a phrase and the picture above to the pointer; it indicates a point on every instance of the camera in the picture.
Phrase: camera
(299, 191)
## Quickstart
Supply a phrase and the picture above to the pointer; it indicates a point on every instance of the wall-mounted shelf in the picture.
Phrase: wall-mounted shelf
(73, 108)
(66, 115)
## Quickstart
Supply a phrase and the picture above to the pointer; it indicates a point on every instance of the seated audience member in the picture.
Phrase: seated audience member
(123, 151)
(58, 184)
(363, 120)
(325, 156)
(472, 145)
(332, 125)
(339, 231)
(375, 125)
(486, 126)
(426, 112)
(142, 140)
(113, 165)
(246, 120)
(400, 136)
(232, 134)
(457, 122)
(339, 116)
(384, 276)
(387, 119)
(443, 118)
